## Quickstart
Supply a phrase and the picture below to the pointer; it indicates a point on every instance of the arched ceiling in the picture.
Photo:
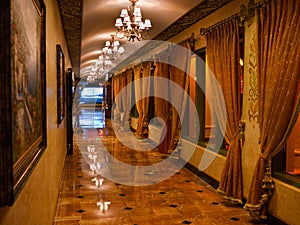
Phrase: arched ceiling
(89, 23)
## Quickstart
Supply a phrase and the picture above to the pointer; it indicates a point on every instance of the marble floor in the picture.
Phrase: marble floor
(106, 182)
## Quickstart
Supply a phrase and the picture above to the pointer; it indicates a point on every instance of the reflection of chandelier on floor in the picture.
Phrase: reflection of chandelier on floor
(131, 25)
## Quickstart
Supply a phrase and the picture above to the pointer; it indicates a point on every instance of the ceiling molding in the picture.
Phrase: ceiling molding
(202, 10)
(71, 15)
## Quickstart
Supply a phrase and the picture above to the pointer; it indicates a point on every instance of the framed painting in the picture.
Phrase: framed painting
(60, 68)
(23, 93)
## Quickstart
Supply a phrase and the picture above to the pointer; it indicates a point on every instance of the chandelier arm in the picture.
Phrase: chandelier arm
(133, 26)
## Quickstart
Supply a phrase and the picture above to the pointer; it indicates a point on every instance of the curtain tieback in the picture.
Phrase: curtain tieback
(262, 157)
(265, 158)
(240, 132)
(267, 187)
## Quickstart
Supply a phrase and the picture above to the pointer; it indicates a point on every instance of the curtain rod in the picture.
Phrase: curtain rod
(244, 15)
(204, 31)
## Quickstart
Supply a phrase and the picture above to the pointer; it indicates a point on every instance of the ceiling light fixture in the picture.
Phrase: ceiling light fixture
(111, 52)
(131, 25)
(108, 55)
(112, 48)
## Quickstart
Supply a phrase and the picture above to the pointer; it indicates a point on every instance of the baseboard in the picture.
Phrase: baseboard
(272, 220)
(212, 182)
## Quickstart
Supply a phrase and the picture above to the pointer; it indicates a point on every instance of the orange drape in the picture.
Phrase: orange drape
(146, 93)
(162, 106)
(122, 81)
(116, 85)
(179, 58)
(138, 93)
(126, 96)
(223, 61)
(142, 93)
(279, 77)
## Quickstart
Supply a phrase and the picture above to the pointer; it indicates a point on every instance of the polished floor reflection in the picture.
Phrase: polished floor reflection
(90, 117)
(96, 190)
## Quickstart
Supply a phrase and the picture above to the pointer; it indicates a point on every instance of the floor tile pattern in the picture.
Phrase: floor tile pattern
(88, 198)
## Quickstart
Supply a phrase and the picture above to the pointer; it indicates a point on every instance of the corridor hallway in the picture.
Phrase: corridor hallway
(87, 197)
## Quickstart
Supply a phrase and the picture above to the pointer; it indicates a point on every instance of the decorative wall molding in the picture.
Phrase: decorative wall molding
(253, 81)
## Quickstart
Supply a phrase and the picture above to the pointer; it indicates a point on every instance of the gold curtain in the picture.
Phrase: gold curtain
(116, 84)
(138, 92)
(113, 89)
(122, 81)
(223, 61)
(126, 96)
(162, 106)
(142, 92)
(279, 77)
(146, 91)
(179, 58)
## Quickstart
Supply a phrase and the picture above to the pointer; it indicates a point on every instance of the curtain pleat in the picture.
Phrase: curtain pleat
(223, 62)
(162, 106)
(126, 97)
(122, 82)
(116, 83)
(142, 92)
(279, 77)
(180, 57)
(138, 94)
(146, 94)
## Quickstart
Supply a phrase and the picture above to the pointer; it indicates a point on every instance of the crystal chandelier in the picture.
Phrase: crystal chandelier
(131, 25)
(112, 48)
(110, 53)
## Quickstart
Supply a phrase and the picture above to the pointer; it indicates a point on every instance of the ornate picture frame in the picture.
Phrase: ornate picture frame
(23, 103)
(61, 83)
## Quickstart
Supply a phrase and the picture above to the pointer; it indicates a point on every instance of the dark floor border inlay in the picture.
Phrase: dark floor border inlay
(215, 203)
(80, 211)
(128, 208)
(234, 219)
